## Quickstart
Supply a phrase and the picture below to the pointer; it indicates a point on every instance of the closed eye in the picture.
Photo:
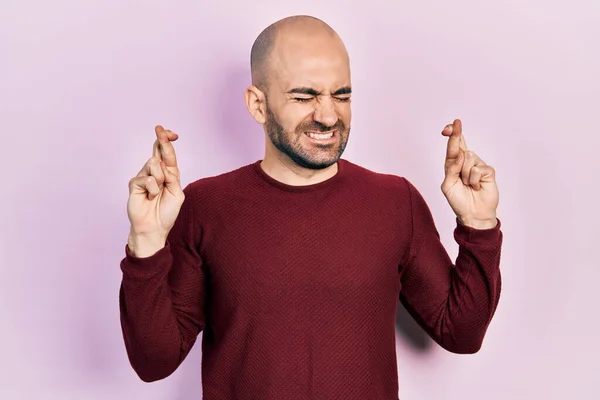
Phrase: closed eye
(305, 100)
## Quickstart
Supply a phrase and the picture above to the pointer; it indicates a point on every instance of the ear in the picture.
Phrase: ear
(256, 104)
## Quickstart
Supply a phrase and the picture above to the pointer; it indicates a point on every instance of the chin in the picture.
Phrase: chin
(315, 163)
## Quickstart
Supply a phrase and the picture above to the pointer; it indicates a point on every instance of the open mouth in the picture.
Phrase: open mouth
(320, 136)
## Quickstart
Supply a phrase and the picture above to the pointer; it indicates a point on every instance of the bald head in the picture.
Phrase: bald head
(281, 37)
(300, 92)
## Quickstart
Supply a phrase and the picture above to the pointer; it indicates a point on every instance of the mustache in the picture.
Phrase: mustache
(315, 126)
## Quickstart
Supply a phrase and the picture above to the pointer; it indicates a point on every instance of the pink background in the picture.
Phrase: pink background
(84, 82)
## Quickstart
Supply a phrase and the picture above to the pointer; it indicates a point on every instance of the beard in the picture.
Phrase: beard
(320, 156)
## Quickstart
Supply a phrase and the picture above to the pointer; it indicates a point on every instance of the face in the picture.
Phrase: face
(310, 144)
(308, 112)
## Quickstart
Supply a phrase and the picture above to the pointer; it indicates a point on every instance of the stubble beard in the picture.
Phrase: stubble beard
(289, 144)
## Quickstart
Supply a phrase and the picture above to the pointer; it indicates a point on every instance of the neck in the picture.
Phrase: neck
(281, 168)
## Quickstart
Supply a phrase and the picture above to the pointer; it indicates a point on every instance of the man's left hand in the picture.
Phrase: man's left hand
(469, 184)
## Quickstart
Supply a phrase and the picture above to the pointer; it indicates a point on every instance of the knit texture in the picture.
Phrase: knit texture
(296, 288)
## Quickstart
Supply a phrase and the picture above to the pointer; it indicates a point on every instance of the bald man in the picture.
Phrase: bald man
(293, 266)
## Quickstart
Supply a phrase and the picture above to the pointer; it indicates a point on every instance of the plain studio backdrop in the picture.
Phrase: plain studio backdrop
(84, 83)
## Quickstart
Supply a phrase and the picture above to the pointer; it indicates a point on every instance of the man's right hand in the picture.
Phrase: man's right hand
(155, 198)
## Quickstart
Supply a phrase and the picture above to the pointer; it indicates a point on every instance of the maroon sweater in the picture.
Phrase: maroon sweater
(296, 288)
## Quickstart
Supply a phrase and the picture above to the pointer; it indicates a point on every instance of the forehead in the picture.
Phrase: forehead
(317, 62)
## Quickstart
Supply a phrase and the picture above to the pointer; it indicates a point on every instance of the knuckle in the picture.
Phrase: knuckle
(153, 161)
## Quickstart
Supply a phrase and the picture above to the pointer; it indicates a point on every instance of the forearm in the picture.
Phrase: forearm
(475, 290)
(157, 337)
(456, 302)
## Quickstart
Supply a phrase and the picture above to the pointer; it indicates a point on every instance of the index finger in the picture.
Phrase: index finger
(456, 141)
(163, 148)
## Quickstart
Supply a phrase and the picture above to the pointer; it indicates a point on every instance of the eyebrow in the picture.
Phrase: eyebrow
(312, 92)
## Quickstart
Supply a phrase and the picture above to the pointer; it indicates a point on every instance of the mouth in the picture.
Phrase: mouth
(322, 136)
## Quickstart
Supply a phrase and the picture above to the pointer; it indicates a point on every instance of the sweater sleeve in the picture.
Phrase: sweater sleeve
(453, 303)
(161, 300)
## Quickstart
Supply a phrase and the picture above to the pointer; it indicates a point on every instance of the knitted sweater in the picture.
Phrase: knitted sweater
(296, 288)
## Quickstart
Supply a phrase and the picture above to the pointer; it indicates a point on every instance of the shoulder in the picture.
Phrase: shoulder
(381, 186)
(220, 184)
(375, 180)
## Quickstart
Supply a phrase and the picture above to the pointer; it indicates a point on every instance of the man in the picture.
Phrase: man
(292, 267)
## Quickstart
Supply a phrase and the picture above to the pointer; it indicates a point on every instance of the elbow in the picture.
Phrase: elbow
(149, 376)
(463, 336)
(153, 361)
(468, 342)
(152, 369)
(466, 347)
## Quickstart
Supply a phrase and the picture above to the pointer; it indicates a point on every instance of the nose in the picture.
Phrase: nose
(325, 112)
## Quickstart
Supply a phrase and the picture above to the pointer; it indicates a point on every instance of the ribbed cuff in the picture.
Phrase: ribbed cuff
(139, 267)
(488, 237)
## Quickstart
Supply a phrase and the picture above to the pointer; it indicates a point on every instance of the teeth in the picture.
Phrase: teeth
(321, 136)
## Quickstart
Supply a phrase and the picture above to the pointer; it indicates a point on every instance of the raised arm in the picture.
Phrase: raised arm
(455, 302)
(161, 297)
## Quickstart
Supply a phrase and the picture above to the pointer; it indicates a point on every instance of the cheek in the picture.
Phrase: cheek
(296, 119)
(283, 119)
(345, 112)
